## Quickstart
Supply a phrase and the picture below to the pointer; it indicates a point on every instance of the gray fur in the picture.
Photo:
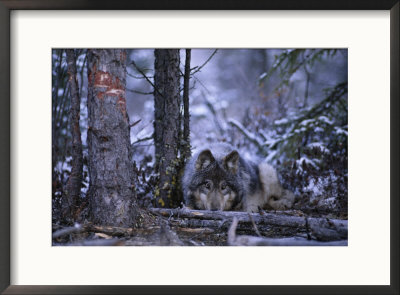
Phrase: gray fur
(222, 162)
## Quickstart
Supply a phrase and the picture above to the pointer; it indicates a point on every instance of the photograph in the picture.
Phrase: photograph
(199, 147)
(141, 136)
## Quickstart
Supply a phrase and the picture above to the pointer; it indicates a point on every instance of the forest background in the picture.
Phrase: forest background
(286, 106)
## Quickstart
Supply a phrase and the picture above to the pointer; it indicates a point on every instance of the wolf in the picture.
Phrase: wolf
(218, 178)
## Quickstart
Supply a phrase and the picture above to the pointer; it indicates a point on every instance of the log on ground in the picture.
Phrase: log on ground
(322, 229)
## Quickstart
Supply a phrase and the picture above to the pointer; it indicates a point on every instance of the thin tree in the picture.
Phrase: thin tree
(167, 124)
(185, 147)
(55, 105)
(111, 188)
(61, 135)
(73, 187)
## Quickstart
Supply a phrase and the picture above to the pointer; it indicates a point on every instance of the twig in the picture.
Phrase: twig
(142, 139)
(204, 86)
(198, 69)
(147, 79)
(140, 92)
(136, 77)
(135, 123)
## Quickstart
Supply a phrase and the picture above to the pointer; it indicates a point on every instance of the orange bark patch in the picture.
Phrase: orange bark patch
(108, 85)
(112, 86)
(102, 79)
(121, 105)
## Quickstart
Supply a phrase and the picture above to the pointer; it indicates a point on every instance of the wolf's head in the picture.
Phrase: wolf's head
(214, 185)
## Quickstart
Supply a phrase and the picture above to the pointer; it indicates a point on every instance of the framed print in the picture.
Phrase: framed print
(157, 127)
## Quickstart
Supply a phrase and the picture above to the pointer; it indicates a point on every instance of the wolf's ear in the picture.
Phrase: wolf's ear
(204, 159)
(231, 162)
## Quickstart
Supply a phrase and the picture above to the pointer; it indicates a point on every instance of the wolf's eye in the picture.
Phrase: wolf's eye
(223, 186)
(208, 185)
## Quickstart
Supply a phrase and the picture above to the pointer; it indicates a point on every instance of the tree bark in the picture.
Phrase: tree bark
(167, 124)
(73, 187)
(111, 191)
(186, 153)
(54, 108)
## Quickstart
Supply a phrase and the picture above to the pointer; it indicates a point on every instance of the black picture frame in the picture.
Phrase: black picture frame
(6, 6)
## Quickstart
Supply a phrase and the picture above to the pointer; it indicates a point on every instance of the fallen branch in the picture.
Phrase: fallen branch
(115, 231)
(174, 227)
(245, 240)
(319, 228)
(220, 225)
(66, 231)
(100, 242)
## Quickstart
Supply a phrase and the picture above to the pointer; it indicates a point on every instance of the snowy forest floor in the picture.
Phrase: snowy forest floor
(184, 227)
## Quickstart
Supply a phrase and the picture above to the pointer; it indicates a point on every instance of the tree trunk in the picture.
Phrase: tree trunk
(73, 188)
(167, 124)
(111, 192)
(54, 108)
(186, 152)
